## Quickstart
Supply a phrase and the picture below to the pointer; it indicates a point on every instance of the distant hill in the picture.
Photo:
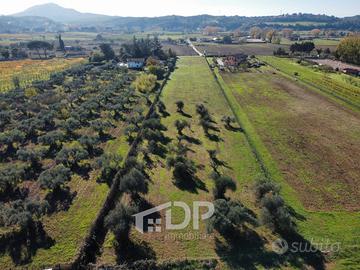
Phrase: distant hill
(77, 21)
(10, 25)
(60, 14)
(229, 23)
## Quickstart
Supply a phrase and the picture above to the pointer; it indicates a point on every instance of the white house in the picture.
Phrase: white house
(136, 63)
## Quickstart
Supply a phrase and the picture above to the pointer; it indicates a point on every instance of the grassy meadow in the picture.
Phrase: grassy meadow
(339, 86)
(279, 139)
(185, 84)
(309, 144)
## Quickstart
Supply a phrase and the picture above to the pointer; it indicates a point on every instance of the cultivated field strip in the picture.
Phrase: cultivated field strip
(262, 97)
(28, 71)
(332, 84)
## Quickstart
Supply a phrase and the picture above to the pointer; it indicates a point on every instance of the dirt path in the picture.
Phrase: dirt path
(194, 48)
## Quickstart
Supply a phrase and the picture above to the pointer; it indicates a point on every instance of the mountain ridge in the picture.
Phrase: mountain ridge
(73, 19)
(58, 13)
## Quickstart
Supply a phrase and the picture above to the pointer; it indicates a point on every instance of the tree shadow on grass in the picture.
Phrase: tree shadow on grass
(130, 252)
(164, 114)
(294, 214)
(303, 252)
(106, 137)
(234, 129)
(13, 194)
(190, 139)
(185, 114)
(214, 137)
(159, 150)
(190, 183)
(82, 170)
(219, 163)
(245, 250)
(23, 245)
(60, 200)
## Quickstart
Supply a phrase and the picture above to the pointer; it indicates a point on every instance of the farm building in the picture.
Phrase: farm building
(136, 63)
(234, 60)
(255, 40)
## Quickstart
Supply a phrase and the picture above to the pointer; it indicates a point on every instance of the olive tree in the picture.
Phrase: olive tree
(222, 184)
(228, 121)
(12, 138)
(54, 178)
(180, 106)
(184, 170)
(53, 139)
(101, 126)
(70, 125)
(181, 125)
(10, 176)
(109, 164)
(89, 143)
(134, 182)
(229, 216)
(21, 213)
(119, 221)
(71, 156)
(31, 155)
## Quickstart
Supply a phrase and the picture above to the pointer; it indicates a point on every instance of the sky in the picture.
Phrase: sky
(153, 8)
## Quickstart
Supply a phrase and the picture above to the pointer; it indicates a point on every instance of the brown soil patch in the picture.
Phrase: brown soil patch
(315, 141)
(250, 48)
(180, 50)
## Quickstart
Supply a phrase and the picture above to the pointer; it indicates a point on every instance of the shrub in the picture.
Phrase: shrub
(134, 182)
(264, 186)
(109, 164)
(181, 125)
(229, 216)
(145, 83)
(180, 106)
(157, 71)
(275, 214)
(71, 156)
(55, 177)
(119, 221)
(222, 184)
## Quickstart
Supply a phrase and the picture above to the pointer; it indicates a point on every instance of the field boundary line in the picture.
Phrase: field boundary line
(262, 155)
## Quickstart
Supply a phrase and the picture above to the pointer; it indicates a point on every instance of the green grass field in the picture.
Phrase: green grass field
(302, 131)
(261, 102)
(334, 84)
(186, 84)
(278, 116)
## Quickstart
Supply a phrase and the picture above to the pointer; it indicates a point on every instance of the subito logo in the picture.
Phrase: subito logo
(280, 246)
